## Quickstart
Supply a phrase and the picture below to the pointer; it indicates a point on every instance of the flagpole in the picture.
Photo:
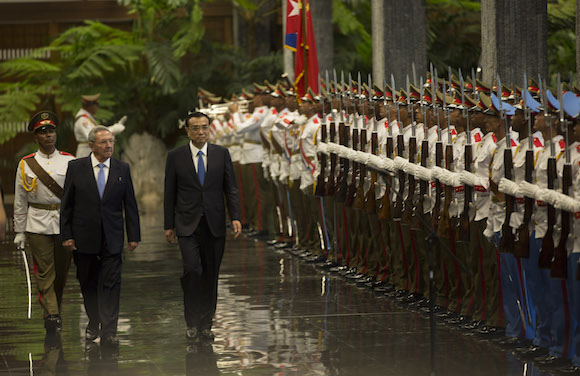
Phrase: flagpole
(304, 41)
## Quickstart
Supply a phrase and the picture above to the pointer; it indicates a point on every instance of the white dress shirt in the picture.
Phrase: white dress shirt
(96, 168)
(194, 151)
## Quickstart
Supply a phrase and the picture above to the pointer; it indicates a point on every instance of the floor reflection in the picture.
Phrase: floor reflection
(275, 316)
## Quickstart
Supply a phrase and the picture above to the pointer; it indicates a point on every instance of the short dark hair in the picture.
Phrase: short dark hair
(197, 114)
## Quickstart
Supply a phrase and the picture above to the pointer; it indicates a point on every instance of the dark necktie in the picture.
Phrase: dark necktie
(200, 168)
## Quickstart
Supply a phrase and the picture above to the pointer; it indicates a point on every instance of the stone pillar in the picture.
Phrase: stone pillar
(514, 39)
(321, 11)
(404, 39)
(378, 35)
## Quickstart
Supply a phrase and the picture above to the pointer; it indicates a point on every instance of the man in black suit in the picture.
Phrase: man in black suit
(96, 190)
(197, 177)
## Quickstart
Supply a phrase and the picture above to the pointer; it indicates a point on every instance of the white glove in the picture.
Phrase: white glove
(20, 240)
(509, 187)
(436, 173)
(528, 189)
(117, 128)
(423, 173)
(321, 148)
(567, 203)
(376, 161)
(122, 120)
(388, 164)
(409, 168)
(448, 177)
(400, 163)
(547, 195)
(468, 178)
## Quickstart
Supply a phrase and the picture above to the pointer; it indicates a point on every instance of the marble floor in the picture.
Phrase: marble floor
(276, 316)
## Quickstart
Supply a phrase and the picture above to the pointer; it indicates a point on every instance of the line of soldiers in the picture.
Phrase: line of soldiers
(372, 183)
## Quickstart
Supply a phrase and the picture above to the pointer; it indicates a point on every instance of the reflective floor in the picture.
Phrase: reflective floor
(275, 316)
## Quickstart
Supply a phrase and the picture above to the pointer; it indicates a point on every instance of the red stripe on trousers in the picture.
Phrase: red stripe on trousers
(416, 278)
(500, 292)
(456, 267)
(385, 269)
(567, 318)
(346, 239)
(484, 310)
(523, 290)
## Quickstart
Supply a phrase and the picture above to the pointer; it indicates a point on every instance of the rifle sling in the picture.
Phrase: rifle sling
(44, 177)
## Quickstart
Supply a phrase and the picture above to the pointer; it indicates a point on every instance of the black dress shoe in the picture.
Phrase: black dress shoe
(192, 334)
(337, 269)
(52, 324)
(91, 334)
(531, 352)
(552, 361)
(207, 335)
(109, 341)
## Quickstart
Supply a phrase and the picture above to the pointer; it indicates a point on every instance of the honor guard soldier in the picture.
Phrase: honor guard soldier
(85, 121)
(38, 189)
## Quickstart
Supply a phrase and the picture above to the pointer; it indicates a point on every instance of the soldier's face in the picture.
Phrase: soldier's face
(93, 108)
(46, 138)
(103, 145)
(518, 121)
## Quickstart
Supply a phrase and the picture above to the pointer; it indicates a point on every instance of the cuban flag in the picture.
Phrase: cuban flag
(292, 24)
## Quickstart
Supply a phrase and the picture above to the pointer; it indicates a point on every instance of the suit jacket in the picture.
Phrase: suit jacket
(186, 199)
(83, 213)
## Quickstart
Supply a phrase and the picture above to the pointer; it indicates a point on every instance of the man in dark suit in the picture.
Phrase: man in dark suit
(197, 177)
(96, 190)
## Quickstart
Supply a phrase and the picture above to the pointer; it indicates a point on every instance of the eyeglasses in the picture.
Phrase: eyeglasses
(196, 128)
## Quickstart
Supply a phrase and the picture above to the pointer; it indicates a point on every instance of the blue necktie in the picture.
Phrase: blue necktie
(101, 179)
(200, 167)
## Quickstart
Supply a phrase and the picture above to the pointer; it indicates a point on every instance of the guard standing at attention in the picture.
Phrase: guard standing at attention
(37, 194)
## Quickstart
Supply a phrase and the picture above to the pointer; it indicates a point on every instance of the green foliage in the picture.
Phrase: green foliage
(352, 33)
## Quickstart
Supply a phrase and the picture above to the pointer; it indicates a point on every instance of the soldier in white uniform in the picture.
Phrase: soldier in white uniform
(84, 122)
(38, 188)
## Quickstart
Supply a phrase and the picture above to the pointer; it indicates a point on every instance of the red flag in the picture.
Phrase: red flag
(293, 24)
(306, 46)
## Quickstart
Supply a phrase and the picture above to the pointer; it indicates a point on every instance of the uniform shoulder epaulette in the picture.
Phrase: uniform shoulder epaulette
(65, 153)
(29, 156)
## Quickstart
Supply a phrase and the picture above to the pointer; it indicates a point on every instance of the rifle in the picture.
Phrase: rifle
(343, 132)
(438, 152)
(385, 203)
(445, 219)
(547, 251)
(352, 188)
(464, 227)
(560, 262)
(319, 191)
(360, 192)
(522, 246)
(423, 185)
(330, 188)
(370, 201)
(506, 244)
(408, 208)
(400, 152)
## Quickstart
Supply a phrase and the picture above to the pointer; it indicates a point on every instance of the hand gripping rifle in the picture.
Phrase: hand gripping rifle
(360, 191)
(560, 262)
(547, 251)
(409, 206)
(385, 203)
(343, 133)
(445, 219)
(331, 182)
(438, 152)
(370, 203)
(522, 246)
(352, 187)
(397, 215)
(320, 186)
(506, 244)
(464, 227)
